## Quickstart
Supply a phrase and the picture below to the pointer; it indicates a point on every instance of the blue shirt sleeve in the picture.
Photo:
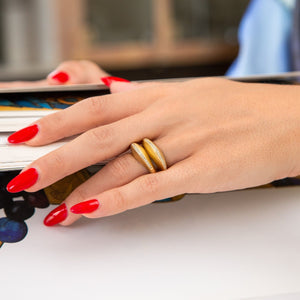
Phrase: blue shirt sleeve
(264, 38)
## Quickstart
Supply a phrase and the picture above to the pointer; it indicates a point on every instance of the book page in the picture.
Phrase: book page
(13, 120)
(16, 157)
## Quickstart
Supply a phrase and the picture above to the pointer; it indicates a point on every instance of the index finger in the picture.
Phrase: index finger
(87, 114)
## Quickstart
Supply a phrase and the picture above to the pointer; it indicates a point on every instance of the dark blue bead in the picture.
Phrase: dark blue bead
(12, 231)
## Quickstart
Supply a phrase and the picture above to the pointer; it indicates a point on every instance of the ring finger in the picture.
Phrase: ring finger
(116, 173)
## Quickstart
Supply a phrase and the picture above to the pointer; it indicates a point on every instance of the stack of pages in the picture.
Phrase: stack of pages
(21, 107)
(16, 157)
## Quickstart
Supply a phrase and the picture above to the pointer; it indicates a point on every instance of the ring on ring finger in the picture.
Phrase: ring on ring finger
(146, 155)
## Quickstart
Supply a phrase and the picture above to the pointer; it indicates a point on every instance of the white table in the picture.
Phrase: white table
(232, 245)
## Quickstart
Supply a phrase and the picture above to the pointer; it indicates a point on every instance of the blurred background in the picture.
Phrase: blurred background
(135, 39)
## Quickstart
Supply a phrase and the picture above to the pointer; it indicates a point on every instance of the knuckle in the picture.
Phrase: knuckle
(58, 161)
(118, 200)
(150, 184)
(51, 124)
(102, 136)
(58, 120)
(119, 167)
(81, 194)
(97, 105)
(57, 117)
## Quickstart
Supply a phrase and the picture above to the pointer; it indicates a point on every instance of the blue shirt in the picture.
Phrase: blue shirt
(264, 38)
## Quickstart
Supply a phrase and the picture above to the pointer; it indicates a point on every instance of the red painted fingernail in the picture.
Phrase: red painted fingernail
(23, 135)
(23, 181)
(57, 215)
(61, 77)
(85, 207)
(110, 79)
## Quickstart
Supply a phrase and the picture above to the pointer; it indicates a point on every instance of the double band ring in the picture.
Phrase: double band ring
(152, 158)
(149, 155)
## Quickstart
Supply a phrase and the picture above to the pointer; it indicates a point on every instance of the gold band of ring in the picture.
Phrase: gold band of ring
(140, 154)
(147, 154)
(155, 154)
(149, 151)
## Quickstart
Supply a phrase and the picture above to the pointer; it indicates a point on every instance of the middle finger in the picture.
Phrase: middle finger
(91, 147)
(118, 172)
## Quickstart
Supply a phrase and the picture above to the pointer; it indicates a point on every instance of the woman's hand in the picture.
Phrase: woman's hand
(217, 135)
(68, 72)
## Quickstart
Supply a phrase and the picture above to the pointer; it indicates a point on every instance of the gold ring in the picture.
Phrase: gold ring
(149, 155)
(155, 154)
(140, 154)
(146, 155)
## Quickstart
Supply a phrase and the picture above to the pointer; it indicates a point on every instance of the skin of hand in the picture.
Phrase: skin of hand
(216, 134)
(68, 72)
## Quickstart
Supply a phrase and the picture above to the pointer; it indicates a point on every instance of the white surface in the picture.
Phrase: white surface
(222, 246)
(293, 296)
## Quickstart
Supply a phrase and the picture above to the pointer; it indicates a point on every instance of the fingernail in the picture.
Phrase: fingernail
(57, 215)
(23, 181)
(61, 77)
(110, 79)
(23, 135)
(85, 207)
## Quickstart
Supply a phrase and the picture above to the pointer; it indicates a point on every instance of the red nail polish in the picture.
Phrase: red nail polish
(57, 215)
(61, 77)
(110, 79)
(23, 181)
(23, 135)
(85, 207)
